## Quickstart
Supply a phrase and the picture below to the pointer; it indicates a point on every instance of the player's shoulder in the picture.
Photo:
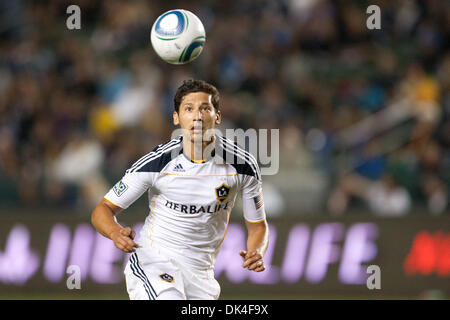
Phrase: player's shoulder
(158, 158)
(233, 154)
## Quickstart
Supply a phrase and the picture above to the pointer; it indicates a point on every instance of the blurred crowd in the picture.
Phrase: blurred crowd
(368, 110)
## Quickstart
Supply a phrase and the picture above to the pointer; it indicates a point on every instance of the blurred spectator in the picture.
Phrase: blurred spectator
(423, 95)
(384, 197)
(432, 171)
(79, 163)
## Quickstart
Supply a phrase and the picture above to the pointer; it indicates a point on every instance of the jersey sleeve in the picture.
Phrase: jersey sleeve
(129, 189)
(252, 199)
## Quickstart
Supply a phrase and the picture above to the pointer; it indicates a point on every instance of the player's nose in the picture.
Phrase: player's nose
(198, 116)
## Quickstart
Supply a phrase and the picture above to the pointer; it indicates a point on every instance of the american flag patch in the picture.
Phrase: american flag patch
(259, 201)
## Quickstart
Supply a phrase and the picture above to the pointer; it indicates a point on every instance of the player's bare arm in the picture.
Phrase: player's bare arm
(257, 243)
(104, 220)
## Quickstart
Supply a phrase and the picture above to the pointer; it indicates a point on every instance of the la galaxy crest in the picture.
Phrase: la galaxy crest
(166, 277)
(222, 192)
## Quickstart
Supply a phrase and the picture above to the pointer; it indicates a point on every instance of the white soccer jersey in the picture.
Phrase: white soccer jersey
(191, 203)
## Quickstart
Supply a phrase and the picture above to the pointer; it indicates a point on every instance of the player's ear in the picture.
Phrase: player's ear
(218, 117)
(176, 120)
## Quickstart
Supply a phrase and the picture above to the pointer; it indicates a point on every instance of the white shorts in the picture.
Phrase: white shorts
(148, 273)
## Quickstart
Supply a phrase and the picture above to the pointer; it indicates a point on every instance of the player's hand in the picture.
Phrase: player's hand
(252, 260)
(123, 239)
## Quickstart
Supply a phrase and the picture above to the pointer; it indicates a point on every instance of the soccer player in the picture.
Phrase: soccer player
(191, 195)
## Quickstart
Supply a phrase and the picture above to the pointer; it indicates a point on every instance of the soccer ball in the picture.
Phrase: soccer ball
(178, 36)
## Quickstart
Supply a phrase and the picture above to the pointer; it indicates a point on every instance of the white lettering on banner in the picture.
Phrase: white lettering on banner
(18, 263)
(359, 248)
(57, 252)
(309, 253)
(324, 251)
(295, 253)
(103, 267)
(81, 253)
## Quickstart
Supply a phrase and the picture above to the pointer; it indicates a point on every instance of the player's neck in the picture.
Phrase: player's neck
(198, 151)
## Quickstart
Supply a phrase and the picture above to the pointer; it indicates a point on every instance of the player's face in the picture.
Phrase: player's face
(196, 115)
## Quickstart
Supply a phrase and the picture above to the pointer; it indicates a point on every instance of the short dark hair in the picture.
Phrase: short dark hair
(192, 85)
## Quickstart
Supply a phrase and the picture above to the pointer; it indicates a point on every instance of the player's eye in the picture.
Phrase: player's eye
(188, 109)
